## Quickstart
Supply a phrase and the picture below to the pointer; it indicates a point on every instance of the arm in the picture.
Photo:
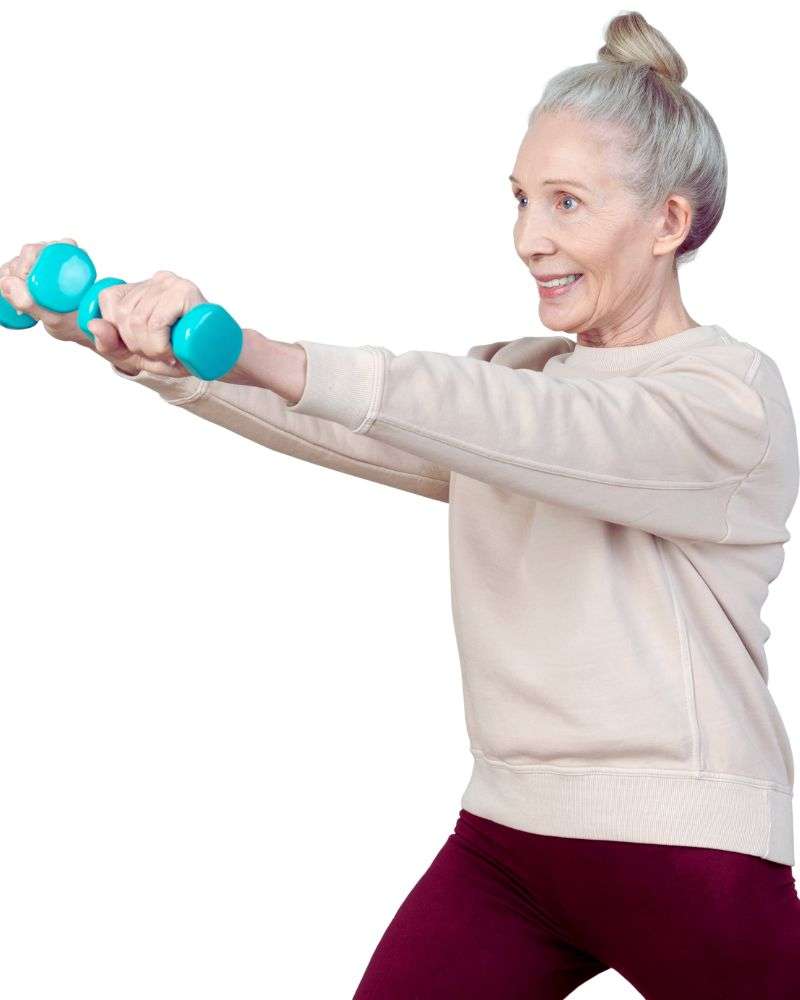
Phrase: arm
(664, 452)
(261, 414)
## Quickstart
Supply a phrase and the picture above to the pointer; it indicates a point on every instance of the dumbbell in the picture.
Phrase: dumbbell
(207, 340)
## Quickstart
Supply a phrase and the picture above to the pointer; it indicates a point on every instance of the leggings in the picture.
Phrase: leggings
(502, 914)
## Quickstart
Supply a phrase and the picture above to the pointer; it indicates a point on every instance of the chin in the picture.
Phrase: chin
(558, 326)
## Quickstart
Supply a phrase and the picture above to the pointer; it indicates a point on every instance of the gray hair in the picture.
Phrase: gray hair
(671, 141)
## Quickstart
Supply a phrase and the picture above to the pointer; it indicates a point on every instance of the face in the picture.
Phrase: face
(575, 214)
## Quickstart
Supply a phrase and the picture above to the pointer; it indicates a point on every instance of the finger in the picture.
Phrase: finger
(11, 266)
(139, 328)
(165, 314)
(15, 291)
(27, 258)
(107, 340)
(183, 297)
(134, 326)
(112, 305)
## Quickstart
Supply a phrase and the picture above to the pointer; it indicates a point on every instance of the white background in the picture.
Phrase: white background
(231, 728)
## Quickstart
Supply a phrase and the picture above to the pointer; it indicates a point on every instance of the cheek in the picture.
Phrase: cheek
(612, 255)
(597, 255)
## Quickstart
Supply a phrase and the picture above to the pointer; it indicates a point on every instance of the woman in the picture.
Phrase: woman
(618, 508)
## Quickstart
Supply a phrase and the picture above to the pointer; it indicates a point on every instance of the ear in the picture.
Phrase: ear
(673, 222)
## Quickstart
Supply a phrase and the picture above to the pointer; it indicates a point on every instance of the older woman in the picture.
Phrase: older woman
(618, 508)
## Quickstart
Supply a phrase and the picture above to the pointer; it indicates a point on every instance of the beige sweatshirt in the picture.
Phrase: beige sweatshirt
(616, 515)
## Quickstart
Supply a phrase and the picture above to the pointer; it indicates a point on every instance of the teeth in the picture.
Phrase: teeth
(559, 281)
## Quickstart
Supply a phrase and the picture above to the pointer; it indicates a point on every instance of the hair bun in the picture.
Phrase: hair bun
(629, 38)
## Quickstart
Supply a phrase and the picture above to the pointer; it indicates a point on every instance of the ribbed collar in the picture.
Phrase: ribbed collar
(632, 355)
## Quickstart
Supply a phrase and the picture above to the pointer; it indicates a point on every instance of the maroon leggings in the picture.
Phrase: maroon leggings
(502, 914)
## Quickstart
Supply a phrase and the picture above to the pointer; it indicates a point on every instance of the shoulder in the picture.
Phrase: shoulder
(748, 362)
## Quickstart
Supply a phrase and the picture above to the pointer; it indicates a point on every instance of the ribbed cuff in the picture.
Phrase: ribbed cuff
(343, 384)
(174, 390)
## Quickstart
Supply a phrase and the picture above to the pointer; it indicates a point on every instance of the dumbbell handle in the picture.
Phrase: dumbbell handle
(206, 340)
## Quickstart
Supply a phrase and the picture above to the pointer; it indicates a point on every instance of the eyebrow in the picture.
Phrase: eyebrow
(559, 180)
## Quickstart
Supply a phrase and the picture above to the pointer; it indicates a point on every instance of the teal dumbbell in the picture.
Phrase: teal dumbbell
(207, 340)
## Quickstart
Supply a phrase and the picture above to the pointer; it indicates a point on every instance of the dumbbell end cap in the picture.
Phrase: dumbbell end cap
(60, 277)
(207, 341)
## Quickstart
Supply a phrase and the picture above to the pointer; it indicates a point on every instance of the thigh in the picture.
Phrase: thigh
(467, 931)
(691, 922)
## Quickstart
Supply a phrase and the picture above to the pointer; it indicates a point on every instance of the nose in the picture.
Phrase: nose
(531, 234)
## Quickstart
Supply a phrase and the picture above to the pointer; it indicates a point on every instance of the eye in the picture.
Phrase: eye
(522, 200)
(567, 197)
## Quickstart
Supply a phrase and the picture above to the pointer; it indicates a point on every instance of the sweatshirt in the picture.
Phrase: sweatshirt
(616, 515)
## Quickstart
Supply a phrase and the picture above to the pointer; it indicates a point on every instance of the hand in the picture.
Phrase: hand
(137, 320)
(14, 288)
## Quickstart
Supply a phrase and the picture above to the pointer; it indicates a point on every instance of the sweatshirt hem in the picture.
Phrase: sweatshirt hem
(652, 807)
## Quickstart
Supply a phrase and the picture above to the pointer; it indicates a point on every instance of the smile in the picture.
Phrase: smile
(562, 287)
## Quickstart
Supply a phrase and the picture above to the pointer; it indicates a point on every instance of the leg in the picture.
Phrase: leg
(468, 931)
(689, 922)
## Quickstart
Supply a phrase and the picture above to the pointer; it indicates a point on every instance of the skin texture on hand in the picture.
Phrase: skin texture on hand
(14, 288)
(136, 328)
(135, 332)
(267, 364)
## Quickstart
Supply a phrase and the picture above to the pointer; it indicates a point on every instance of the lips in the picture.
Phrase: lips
(557, 291)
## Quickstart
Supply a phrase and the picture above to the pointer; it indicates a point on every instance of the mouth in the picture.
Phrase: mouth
(562, 285)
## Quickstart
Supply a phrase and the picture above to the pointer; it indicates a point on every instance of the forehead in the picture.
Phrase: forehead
(563, 146)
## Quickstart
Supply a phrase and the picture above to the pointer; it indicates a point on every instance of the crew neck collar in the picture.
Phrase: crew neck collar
(631, 355)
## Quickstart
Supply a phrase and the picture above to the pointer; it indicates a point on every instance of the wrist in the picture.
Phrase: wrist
(269, 364)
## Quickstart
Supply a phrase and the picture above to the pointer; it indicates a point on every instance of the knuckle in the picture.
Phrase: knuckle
(157, 351)
(107, 300)
(159, 320)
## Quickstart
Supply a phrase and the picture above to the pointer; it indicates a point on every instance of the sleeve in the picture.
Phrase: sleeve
(263, 417)
(663, 451)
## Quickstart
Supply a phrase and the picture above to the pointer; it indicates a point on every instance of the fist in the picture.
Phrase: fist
(137, 321)
(14, 289)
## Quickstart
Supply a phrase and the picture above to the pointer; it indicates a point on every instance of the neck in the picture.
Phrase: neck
(653, 322)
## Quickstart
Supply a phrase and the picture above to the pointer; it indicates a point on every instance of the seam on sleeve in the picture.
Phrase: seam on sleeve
(380, 358)
(744, 478)
(558, 470)
(648, 484)
(754, 366)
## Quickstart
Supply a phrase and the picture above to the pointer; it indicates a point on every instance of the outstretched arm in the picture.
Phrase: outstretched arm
(664, 451)
(261, 414)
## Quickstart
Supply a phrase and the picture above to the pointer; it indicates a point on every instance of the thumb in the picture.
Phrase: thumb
(107, 340)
